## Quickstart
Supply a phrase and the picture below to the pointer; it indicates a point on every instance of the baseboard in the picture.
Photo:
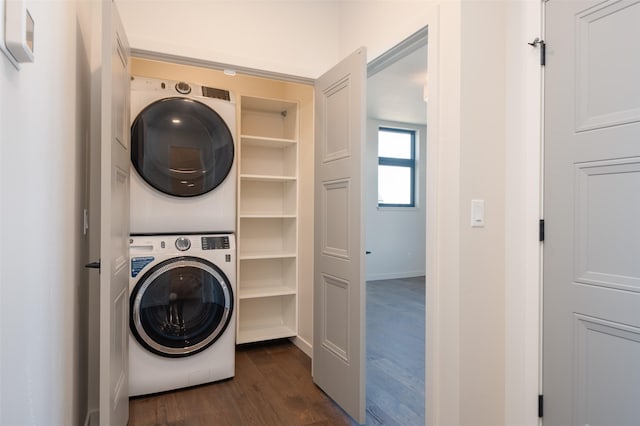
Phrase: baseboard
(394, 275)
(92, 418)
(303, 345)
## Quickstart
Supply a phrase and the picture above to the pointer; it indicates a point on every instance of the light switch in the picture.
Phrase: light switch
(477, 213)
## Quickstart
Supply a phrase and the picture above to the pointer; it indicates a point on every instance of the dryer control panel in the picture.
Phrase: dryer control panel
(215, 243)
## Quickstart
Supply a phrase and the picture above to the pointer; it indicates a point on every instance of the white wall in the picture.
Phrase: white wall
(395, 236)
(482, 250)
(290, 37)
(380, 25)
(43, 123)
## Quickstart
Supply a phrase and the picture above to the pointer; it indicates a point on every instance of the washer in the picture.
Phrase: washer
(182, 318)
(183, 161)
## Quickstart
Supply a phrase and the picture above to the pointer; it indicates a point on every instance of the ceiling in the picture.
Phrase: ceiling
(396, 93)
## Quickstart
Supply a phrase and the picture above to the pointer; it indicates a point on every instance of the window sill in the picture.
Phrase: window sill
(398, 209)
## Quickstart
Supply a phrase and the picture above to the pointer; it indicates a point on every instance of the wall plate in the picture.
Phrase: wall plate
(3, 47)
(19, 29)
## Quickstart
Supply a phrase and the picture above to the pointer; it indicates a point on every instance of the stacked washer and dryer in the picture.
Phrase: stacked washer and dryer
(182, 246)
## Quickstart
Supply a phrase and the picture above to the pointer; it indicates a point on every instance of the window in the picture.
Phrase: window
(396, 167)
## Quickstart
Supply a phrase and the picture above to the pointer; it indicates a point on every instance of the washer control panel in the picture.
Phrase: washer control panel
(215, 243)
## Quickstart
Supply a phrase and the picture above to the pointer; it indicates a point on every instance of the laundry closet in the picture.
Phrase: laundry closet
(274, 233)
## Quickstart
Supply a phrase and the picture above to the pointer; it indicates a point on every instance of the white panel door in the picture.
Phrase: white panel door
(114, 221)
(591, 359)
(339, 292)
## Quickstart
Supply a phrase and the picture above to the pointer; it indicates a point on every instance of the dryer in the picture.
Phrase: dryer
(182, 316)
(183, 158)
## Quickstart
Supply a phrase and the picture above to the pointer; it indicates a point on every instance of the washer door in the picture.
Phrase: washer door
(181, 147)
(181, 306)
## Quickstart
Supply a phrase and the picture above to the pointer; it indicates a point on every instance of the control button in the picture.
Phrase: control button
(183, 243)
(183, 88)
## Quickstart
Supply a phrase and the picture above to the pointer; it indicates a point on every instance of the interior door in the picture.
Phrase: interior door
(339, 292)
(114, 221)
(591, 346)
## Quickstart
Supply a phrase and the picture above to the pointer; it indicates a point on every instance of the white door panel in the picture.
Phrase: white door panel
(339, 293)
(114, 220)
(591, 375)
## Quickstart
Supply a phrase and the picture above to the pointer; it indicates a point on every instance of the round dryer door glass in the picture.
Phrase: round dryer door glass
(181, 147)
(181, 307)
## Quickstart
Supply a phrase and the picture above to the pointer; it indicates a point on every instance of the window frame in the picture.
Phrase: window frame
(400, 162)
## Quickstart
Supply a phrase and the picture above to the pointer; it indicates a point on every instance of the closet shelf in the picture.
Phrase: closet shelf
(266, 333)
(267, 178)
(267, 216)
(267, 142)
(266, 255)
(251, 293)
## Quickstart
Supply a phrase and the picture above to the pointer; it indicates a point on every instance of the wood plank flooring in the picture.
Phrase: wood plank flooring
(395, 352)
(273, 384)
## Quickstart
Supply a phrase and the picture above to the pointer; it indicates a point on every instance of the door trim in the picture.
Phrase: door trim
(407, 46)
(523, 201)
(184, 60)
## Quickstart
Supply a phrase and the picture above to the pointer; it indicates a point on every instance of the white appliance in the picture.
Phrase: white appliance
(182, 315)
(183, 158)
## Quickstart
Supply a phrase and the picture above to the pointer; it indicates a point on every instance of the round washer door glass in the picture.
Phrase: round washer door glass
(181, 306)
(181, 147)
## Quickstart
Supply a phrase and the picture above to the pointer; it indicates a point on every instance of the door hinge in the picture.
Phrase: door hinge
(541, 230)
(540, 405)
(543, 49)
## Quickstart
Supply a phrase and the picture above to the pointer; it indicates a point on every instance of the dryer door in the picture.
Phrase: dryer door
(181, 147)
(181, 306)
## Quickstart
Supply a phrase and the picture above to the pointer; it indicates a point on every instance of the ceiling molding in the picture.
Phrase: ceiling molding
(399, 51)
(176, 59)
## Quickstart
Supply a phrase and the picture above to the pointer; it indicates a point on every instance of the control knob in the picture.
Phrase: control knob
(183, 243)
(183, 88)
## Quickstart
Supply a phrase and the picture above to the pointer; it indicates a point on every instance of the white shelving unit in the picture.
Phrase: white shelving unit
(268, 224)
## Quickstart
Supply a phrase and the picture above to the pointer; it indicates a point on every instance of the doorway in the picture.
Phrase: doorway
(395, 235)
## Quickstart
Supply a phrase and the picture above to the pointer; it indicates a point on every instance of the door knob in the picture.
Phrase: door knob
(93, 265)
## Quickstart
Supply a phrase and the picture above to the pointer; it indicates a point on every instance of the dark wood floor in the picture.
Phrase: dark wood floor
(273, 384)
